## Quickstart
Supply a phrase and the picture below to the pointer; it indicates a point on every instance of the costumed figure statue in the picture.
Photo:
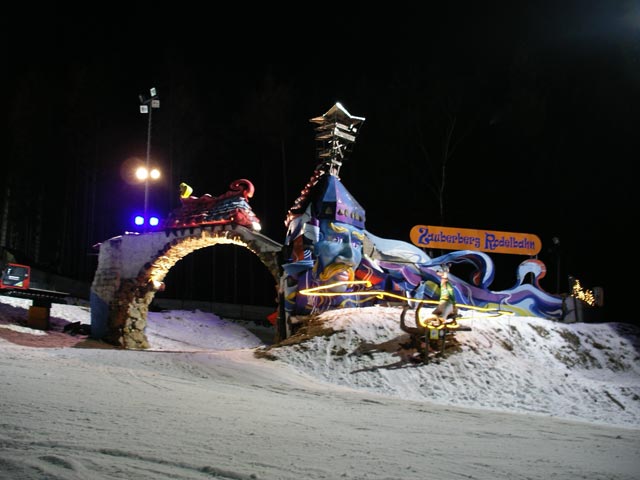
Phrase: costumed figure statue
(446, 312)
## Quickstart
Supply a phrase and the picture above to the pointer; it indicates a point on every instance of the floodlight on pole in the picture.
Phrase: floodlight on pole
(145, 102)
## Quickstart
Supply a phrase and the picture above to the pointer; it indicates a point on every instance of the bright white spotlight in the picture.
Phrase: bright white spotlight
(142, 173)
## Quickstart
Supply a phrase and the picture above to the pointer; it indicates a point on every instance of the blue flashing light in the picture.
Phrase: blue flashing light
(139, 221)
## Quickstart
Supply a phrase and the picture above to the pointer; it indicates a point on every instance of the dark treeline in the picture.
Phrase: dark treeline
(503, 131)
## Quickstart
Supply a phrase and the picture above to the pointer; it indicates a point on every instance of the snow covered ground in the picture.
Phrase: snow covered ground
(514, 398)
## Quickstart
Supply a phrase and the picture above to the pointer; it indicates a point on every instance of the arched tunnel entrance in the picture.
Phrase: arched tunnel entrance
(218, 274)
(132, 269)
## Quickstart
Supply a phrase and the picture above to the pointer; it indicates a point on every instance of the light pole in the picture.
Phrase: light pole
(145, 102)
(556, 247)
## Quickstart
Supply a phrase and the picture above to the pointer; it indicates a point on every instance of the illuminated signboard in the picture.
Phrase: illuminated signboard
(450, 238)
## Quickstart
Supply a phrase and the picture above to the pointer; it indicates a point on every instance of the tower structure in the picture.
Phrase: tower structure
(336, 133)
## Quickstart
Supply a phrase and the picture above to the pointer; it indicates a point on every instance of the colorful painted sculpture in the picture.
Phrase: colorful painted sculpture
(230, 207)
(332, 261)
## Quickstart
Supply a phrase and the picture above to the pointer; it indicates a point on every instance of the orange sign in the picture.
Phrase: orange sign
(450, 238)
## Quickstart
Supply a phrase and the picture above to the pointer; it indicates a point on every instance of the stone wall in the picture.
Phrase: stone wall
(132, 267)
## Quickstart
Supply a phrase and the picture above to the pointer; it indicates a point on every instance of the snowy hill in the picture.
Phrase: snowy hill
(205, 402)
(588, 372)
(579, 371)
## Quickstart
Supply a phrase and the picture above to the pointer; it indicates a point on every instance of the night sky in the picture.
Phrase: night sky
(534, 108)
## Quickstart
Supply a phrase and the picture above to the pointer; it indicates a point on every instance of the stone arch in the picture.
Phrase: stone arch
(120, 301)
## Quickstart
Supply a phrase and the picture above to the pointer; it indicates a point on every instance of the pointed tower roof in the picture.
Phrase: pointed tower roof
(335, 202)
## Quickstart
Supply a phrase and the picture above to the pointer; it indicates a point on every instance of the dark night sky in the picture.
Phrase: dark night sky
(545, 101)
